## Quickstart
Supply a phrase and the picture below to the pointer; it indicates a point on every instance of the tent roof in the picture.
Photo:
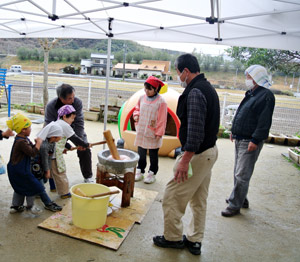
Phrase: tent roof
(267, 23)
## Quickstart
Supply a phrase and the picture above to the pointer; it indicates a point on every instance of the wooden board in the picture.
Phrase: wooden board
(118, 223)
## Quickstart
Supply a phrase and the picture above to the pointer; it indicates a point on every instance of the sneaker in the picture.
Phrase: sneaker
(53, 207)
(150, 178)
(89, 180)
(16, 209)
(138, 175)
(33, 210)
(65, 196)
(160, 241)
(193, 247)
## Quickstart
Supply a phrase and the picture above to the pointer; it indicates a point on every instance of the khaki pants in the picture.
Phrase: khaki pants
(193, 191)
(60, 179)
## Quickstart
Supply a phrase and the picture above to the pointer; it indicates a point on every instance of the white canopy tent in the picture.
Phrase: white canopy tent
(266, 23)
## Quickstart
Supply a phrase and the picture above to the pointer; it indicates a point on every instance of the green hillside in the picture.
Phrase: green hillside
(10, 46)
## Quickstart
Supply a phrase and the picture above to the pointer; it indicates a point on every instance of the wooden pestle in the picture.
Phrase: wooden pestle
(105, 194)
(79, 192)
(91, 145)
(111, 145)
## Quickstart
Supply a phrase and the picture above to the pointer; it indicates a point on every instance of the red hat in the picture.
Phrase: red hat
(155, 82)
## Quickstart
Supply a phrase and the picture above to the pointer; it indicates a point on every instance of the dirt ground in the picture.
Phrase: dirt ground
(268, 231)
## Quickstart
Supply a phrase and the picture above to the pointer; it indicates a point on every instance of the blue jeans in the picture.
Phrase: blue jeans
(44, 196)
(243, 170)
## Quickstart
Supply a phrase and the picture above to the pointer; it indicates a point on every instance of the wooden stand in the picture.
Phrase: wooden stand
(125, 182)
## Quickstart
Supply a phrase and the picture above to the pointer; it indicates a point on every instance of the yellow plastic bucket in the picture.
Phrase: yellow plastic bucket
(89, 213)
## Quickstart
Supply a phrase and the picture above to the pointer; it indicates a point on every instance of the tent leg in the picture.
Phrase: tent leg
(8, 100)
(107, 81)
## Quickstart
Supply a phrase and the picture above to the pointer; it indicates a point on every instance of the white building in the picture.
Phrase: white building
(96, 65)
(130, 69)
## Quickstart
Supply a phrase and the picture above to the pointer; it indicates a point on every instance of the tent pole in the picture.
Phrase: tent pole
(54, 7)
(212, 8)
(107, 80)
(218, 16)
(109, 35)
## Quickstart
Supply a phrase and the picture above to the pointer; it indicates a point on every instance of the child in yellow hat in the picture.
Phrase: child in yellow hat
(19, 169)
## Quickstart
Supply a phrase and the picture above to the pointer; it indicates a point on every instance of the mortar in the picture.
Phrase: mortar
(118, 166)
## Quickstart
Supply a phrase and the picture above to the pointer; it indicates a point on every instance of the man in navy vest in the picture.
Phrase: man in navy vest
(199, 112)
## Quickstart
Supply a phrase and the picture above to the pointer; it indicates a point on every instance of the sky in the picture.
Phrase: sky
(188, 47)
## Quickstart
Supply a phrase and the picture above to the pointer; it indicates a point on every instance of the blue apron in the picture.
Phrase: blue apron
(20, 176)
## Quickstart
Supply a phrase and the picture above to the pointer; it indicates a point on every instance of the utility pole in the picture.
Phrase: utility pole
(124, 59)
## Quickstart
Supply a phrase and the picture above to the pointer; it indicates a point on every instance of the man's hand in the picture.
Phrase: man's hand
(181, 173)
(7, 133)
(65, 151)
(47, 174)
(231, 138)
(81, 148)
(251, 147)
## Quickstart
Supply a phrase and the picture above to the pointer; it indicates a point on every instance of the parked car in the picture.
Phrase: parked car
(16, 68)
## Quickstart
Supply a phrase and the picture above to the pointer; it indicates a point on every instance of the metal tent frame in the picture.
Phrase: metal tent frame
(266, 24)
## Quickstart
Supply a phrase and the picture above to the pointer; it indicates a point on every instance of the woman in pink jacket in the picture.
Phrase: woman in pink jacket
(150, 116)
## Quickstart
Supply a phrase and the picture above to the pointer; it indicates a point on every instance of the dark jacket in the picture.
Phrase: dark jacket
(77, 125)
(46, 151)
(212, 117)
(253, 118)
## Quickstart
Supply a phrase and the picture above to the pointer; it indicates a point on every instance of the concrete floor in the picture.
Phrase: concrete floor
(268, 231)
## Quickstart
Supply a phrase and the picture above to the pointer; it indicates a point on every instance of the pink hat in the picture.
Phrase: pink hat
(65, 110)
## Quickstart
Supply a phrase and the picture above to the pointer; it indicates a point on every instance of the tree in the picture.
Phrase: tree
(226, 67)
(75, 57)
(59, 55)
(238, 65)
(69, 69)
(128, 58)
(84, 53)
(137, 57)
(147, 55)
(68, 55)
(47, 46)
(22, 53)
(206, 62)
(35, 54)
(119, 56)
(283, 60)
(216, 63)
